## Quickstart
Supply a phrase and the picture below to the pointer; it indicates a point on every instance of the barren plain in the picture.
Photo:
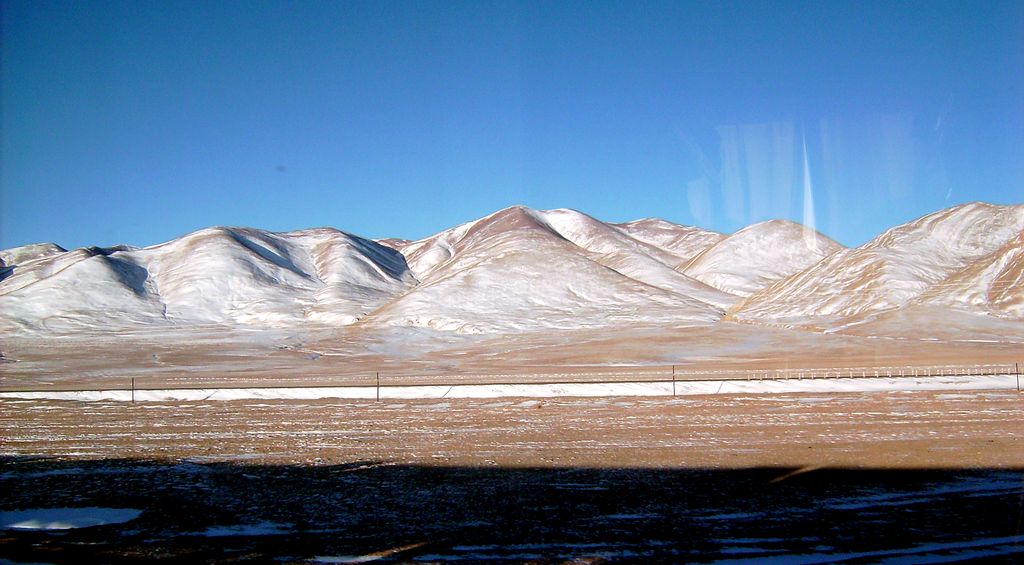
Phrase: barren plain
(231, 357)
(837, 478)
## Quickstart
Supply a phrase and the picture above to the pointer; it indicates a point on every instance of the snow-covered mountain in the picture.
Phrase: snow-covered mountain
(955, 255)
(684, 242)
(82, 288)
(993, 284)
(759, 255)
(522, 270)
(216, 275)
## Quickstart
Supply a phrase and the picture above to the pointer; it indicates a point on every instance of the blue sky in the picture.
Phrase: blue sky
(138, 122)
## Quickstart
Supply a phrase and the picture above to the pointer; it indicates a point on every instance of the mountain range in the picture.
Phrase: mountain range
(522, 270)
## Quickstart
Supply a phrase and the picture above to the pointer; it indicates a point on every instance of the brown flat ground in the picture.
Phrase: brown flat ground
(872, 430)
(213, 357)
(843, 477)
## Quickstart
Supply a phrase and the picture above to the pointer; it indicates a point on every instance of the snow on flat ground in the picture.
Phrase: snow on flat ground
(682, 388)
(65, 518)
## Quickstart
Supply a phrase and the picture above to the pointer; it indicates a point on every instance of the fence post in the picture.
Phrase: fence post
(378, 386)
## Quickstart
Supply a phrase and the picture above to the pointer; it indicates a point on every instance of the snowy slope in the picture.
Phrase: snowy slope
(759, 255)
(601, 243)
(84, 287)
(685, 242)
(225, 275)
(252, 276)
(993, 284)
(887, 273)
(27, 253)
(358, 275)
(640, 261)
(26, 272)
(426, 255)
(519, 270)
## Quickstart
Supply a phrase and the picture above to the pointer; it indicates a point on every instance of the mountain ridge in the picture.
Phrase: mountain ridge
(520, 269)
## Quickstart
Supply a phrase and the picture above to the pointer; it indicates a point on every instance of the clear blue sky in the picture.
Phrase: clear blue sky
(140, 121)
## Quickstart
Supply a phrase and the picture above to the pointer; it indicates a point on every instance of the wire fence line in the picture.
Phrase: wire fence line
(608, 375)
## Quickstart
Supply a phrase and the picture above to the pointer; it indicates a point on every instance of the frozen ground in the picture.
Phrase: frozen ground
(918, 476)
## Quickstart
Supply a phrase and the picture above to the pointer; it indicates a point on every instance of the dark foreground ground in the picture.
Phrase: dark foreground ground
(397, 513)
(852, 478)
